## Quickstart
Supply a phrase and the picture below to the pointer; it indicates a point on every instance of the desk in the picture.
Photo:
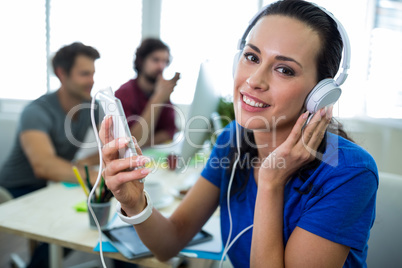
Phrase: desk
(48, 215)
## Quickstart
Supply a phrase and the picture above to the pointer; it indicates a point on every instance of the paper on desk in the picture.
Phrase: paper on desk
(215, 245)
(106, 246)
(212, 226)
(116, 222)
(209, 250)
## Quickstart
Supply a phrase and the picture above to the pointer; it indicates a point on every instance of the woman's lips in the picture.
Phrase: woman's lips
(252, 104)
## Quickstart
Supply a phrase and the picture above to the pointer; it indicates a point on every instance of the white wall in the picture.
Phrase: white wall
(382, 138)
(10, 111)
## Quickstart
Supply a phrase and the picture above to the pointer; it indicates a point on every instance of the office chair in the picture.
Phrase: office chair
(4, 195)
(385, 243)
(15, 260)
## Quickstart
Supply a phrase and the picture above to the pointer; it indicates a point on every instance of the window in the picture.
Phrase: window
(112, 27)
(353, 16)
(195, 31)
(23, 49)
(211, 29)
(384, 98)
(203, 30)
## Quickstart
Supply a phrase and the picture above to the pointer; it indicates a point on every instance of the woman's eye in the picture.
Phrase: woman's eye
(285, 71)
(251, 57)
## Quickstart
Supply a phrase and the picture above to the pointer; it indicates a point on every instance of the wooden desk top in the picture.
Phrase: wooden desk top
(48, 215)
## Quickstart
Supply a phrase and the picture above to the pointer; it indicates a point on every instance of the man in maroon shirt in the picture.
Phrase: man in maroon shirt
(145, 100)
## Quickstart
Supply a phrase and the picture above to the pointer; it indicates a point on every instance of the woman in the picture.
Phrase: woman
(306, 211)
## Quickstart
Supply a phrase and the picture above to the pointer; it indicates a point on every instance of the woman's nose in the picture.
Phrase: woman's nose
(258, 80)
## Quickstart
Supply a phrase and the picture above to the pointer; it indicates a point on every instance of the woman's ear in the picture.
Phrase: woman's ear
(303, 109)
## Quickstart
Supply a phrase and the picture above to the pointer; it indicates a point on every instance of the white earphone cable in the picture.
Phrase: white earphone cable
(97, 179)
(228, 243)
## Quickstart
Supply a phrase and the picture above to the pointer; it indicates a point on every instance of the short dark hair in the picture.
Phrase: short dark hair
(147, 46)
(65, 57)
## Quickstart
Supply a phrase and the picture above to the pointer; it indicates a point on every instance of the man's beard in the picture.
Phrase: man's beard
(79, 93)
(151, 78)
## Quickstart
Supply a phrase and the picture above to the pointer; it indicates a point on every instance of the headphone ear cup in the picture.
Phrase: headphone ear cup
(236, 60)
(326, 92)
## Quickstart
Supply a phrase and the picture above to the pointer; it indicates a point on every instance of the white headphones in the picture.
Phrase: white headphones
(327, 91)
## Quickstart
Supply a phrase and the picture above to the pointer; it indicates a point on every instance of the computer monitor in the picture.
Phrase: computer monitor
(199, 124)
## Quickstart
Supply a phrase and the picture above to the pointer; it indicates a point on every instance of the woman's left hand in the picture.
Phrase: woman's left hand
(298, 149)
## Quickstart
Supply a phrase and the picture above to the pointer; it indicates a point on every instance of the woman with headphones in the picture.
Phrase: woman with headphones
(297, 192)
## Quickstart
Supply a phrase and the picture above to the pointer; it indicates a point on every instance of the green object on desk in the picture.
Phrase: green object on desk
(81, 206)
(158, 157)
(154, 153)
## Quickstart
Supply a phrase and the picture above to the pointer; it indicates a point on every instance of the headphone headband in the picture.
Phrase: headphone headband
(252, 22)
(346, 48)
(345, 40)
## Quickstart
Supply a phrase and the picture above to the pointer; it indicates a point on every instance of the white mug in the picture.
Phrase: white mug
(155, 190)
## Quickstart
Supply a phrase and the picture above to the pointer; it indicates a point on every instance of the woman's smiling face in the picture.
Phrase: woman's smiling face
(275, 73)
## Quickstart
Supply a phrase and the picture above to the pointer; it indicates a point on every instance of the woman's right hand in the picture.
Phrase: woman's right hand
(119, 174)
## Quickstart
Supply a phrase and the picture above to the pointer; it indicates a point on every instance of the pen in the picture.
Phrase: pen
(108, 196)
(79, 179)
(100, 190)
(89, 183)
(88, 179)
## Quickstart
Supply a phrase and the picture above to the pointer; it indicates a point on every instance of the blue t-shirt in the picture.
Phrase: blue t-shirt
(339, 207)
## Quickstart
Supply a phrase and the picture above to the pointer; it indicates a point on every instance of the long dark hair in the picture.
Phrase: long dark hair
(328, 62)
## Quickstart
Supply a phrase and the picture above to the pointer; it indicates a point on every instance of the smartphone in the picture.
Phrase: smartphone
(112, 106)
